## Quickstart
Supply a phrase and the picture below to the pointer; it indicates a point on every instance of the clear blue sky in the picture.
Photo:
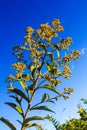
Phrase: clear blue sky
(16, 15)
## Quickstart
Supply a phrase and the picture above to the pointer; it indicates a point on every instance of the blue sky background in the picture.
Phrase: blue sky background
(15, 16)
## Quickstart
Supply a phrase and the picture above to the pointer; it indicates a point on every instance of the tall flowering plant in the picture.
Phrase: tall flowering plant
(39, 66)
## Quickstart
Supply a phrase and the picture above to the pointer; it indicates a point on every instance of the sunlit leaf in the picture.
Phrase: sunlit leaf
(58, 53)
(32, 68)
(48, 66)
(18, 92)
(14, 106)
(23, 84)
(47, 86)
(33, 125)
(8, 123)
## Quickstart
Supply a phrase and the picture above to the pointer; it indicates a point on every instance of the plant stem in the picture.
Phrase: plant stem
(28, 107)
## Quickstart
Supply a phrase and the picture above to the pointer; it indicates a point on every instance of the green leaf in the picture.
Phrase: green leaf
(19, 122)
(58, 53)
(43, 46)
(14, 106)
(18, 92)
(42, 108)
(50, 56)
(84, 100)
(32, 68)
(49, 67)
(8, 123)
(47, 86)
(22, 82)
(52, 101)
(32, 118)
(44, 97)
(33, 125)
(30, 88)
(18, 100)
(55, 47)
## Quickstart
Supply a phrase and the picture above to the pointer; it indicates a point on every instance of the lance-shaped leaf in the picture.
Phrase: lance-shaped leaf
(55, 47)
(84, 100)
(49, 67)
(50, 56)
(30, 88)
(42, 108)
(34, 125)
(58, 53)
(8, 123)
(18, 92)
(18, 100)
(15, 107)
(47, 86)
(23, 84)
(44, 97)
(43, 46)
(32, 118)
(19, 122)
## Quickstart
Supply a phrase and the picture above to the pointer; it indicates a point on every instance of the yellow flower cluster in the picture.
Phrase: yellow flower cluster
(29, 31)
(66, 72)
(67, 43)
(33, 51)
(36, 60)
(60, 28)
(10, 77)
(58, 71)
(67, 58)
(55, 22)
(76, 54)
(80, 109)
(19, 76)
(46, 32)
(69, 90)
(18, 66)
(26, 77)
(57, 26)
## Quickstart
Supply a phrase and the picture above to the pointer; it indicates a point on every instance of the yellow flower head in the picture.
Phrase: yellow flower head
(55, 22)
(29, 29)
(76, 54)
(26, 77)
(66, 70)
(18, 66)
(67, 58)
(18, 76)
(58, 71)
(45, 26)
(60, 28)
(71, 89)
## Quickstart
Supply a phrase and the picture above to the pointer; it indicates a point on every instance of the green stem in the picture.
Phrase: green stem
(28, 107)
